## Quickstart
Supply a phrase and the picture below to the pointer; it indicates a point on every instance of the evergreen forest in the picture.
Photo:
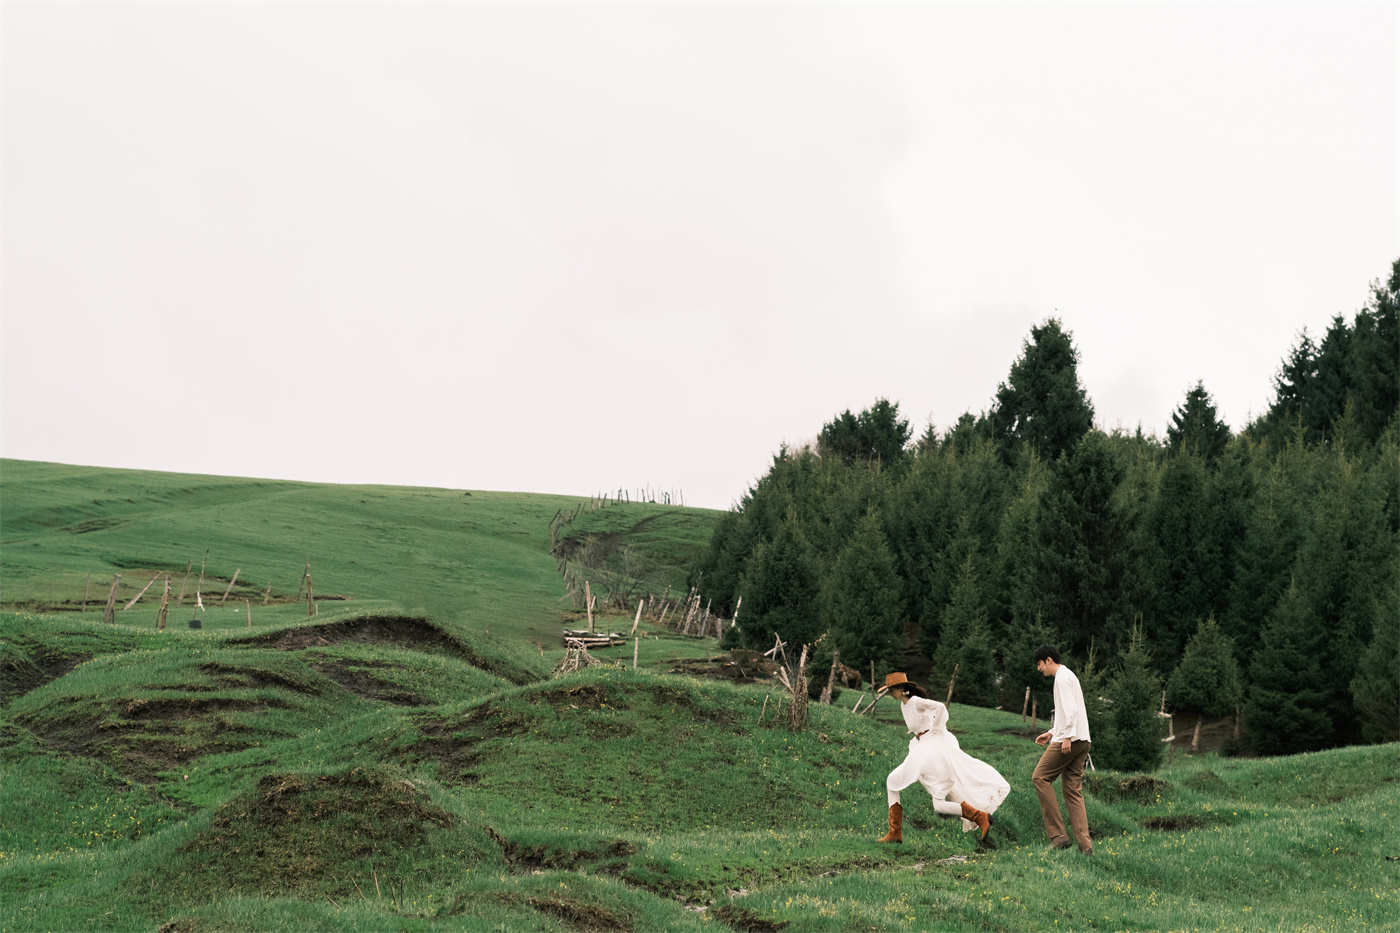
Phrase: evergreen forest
(1252, 573)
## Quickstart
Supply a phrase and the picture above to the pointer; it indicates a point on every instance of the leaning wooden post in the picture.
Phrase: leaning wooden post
(588, 604)
(140, 594)
(310, 602)
(230, 585)
(249, 606)
(86, 587)
(199, 587)
(1025, 704)
(951, 680)
(267, 595)
(637, 621)
(304, 574)
(164, 606)
(636, 646)
(181, 601)
(830, 679)
(111, 598)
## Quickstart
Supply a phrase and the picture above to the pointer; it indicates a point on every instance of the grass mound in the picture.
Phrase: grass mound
(305, 833)
(414, 633)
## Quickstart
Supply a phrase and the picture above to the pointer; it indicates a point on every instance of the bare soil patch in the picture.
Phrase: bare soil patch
(586, 918)
(356, 677)
(18, 676)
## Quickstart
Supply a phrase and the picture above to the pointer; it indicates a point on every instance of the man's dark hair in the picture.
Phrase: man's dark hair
(1047, 651)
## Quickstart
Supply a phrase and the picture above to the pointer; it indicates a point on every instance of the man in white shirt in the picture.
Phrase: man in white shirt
(1066, 748)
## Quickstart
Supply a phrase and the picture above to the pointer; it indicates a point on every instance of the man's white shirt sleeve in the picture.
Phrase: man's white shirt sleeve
(1071, 718)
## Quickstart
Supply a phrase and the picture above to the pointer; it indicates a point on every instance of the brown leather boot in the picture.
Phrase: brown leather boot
(982, 818)
(896, 833)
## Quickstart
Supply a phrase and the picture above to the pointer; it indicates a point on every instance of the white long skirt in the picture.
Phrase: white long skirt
(950, 775)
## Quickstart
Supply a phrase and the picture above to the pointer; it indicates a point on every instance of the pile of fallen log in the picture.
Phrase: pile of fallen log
(582, 638)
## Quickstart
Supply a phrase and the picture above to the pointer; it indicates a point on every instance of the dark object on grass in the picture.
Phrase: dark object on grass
(195, 623)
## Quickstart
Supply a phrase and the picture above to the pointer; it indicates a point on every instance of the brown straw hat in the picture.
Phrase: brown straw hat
(899, 680)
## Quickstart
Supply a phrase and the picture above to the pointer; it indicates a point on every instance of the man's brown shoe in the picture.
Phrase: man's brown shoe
(1061, 843)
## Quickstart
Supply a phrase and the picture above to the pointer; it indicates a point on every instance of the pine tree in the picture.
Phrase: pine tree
(1076, 564)
(877, 435)
(1018, 666)
(977, 683)
(780, 588)
(1196, 429)
(1208, 678)
(1375, 359)
(965, 642)
(1042, 403)
(862, 605)
(1288, 690)
(1376, 686)
(1345, 562)
(1189, 566)
(1136, 728)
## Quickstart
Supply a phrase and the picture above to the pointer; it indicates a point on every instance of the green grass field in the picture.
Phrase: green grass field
(404, 760)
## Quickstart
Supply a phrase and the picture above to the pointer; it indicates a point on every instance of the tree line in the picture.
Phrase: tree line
(1256, 570)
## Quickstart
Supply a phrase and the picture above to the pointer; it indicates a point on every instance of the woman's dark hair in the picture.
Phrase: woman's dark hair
(1047, 651)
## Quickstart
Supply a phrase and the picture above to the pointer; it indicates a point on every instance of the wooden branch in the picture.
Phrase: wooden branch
(230, 585)
(140, 594)
(181, 601)
(951, 680)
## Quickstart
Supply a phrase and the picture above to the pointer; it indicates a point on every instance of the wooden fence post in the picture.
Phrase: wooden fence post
(636, 646)
(111, 598)
(951, 680)
(1025, 704)
(588, 604)
(249, 606)
(164, 606)
(1033, 703)
(637, 621)
(230, 585)
(181, 601)
(310, 601)
(267, 595)
(830, 679)
(199, 587)
(86, 587)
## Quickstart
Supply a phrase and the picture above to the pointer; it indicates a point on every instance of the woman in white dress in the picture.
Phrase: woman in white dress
(959, 784)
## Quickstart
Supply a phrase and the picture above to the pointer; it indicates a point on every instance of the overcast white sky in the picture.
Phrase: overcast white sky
(575, 247)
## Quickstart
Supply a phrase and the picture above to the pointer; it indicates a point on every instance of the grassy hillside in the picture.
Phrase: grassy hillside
(388, 764)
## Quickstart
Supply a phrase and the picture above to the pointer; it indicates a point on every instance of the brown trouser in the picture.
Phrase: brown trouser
(1054, 763)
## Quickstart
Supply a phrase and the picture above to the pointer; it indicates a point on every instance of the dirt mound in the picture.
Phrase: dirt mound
(585, 918)
(20, 674)
(452, 742)
(413, 633)
(297, 832)
(1139, 788)
(1182, 822)
(147, 735)
(355, 676)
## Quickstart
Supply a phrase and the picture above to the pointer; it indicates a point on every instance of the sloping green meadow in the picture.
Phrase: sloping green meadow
(389, 765)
